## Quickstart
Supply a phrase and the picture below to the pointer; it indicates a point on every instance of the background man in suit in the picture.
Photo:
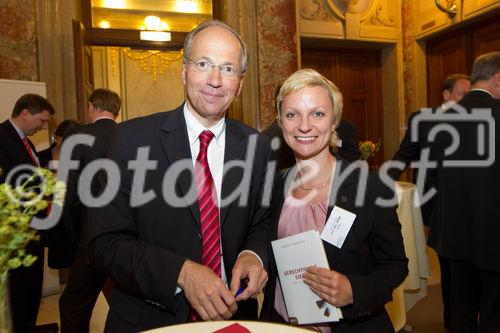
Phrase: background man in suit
(85, 282)
(466, 206)
(171, 241)
(31, 113)
(455, 86)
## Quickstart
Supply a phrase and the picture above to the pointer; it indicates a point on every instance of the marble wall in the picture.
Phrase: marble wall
(409, 64)
(278, 53)
(18, 40)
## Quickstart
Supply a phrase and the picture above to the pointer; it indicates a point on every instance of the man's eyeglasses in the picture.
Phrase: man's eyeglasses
(205, 66)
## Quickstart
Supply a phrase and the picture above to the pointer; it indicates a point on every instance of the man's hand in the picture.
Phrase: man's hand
(206, 292)
(333, 287)
(248, 266)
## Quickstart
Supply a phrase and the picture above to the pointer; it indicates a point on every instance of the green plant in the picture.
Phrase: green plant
(368, 148)
(18, 205)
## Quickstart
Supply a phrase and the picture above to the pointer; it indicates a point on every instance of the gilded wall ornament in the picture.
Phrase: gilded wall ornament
(153, 62)
(314, 10)
(378, 19)
(350, 6)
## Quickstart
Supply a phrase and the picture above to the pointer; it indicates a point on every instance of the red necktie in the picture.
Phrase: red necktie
(209, 212)
(27, 142)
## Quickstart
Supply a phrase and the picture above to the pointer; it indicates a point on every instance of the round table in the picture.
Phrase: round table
(211, 326)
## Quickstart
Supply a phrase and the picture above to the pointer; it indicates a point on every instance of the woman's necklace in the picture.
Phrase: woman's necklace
(317, 186)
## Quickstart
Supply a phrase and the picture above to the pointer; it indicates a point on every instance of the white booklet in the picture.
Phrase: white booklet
(293, 256)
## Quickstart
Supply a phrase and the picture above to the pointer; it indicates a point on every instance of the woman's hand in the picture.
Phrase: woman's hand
(331, 286)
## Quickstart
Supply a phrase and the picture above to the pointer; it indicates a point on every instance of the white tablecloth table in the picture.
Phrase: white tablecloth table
(210, 326)
(414, 287)
(412, 228)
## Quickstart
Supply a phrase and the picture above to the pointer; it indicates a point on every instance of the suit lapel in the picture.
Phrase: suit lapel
(175, 143)
(235, 149)
(343, 194)
(26, 158)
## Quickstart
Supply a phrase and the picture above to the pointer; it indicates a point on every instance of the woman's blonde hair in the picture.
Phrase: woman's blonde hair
(310, 78)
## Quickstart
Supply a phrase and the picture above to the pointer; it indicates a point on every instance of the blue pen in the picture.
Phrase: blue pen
(243, 286)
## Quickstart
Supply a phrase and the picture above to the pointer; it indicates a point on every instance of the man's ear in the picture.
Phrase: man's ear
(446, 95)
(496, 79)
(241, 86)
(183, 75)
(24, 113)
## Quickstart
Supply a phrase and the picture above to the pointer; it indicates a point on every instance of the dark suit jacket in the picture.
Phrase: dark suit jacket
(12, 150)
(25, 283)
(410, 151)
(70, 232)
(466, 211)
(74, 212)
(45, 156)
(61, 248)
(284, 157)
(372, 256)
(144, 247)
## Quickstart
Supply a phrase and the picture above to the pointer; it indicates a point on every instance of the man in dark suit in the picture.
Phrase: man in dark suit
(187, 223)
(31, 113)
(347, 145)
(455, 87)
(466, 207)
(85, 282)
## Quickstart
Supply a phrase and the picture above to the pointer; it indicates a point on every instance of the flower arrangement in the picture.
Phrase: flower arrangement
(368, 148)
(18, 205)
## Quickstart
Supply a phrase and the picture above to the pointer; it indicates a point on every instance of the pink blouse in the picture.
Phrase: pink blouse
(298, 216)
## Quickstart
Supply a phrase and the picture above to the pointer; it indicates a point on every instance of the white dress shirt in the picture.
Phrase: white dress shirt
(215, 156)
(215, 153)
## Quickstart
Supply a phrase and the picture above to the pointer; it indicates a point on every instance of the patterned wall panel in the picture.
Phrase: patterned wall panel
(278, 58)
(408, 61)
(18, 48)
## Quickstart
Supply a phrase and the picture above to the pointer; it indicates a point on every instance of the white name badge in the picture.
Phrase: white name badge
(337, 227)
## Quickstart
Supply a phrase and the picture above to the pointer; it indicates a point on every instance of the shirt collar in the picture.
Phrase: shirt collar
(102, 117)
(18, 130)
(484, 90)
(446, 104)
(194, 127)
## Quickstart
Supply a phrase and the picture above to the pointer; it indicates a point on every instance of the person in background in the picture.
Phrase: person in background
(455, 87)
(466, 204)
(175, 262)
(371, 263)
(31, 114)
(85, 282)
(52, 153)
(61, 252)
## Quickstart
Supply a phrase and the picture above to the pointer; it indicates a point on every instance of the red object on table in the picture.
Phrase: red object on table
(233, 328)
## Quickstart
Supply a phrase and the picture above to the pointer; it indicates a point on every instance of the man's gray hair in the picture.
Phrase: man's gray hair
(188, 43)
(485, 66)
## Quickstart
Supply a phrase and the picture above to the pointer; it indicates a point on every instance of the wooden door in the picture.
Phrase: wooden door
(83, 70)
(356, 73)
(486, 39)
(455, 53)
(445, 56)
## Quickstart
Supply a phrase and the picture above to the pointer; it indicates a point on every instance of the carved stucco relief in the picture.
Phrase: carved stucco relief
(318, 10)
(382, 17)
